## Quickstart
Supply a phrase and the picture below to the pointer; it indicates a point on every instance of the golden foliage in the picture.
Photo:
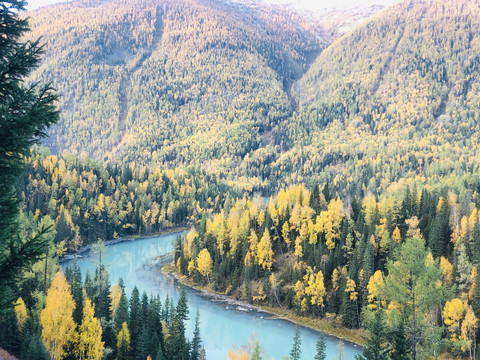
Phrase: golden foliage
(58, 327)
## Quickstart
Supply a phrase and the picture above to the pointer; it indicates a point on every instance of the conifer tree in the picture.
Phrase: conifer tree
(33, 348)
(9, 332)
(177, 345)
(121, 313)
(476, 296)
(154, 327)
(375, 348)
(321, 348)
(400, 343)
(74, 278)
(257, 352)
(181, 311)
(141, 351)
(296, 351)
(159, 355)
(135, 325)
(196, 341)
(25, 112)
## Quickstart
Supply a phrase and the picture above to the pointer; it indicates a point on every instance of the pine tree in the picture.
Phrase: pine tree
(375, 348)
(89, 286)
(121, 314)
(196, 341)
(74, 278)
(103, 301)
(159, 355)
(154, 327)
(181, 311)
(141, 351)
(33, 348)
(9, 332)
(296, 351)
(177, 344)
(476, 296)
(257, 352)
(400, 343)
(25, 112)
(321, 348)
(135, 325)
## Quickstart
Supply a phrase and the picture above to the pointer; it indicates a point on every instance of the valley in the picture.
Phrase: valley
(323, 162)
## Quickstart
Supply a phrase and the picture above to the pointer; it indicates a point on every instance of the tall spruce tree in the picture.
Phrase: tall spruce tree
(121, 314)
(400, 343)
(196, 341)
(321, 348)
(135, 325)
(296, 351)
(26, 111)
(74, 278)
(376, 348)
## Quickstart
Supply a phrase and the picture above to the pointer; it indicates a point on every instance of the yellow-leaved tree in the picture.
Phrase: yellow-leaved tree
(453, 313)
(328, 222)
(265, 252)
(205, 263)
(251, 256)
(89, 344)
(123, 342)
(316, 289)
(21, 311)
(373, 287)
(115, 296)
(233, 354)
(58, 327)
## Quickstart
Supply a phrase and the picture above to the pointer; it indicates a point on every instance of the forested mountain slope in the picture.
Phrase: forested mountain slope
(228, 87)
(176, 82)
(397, 97)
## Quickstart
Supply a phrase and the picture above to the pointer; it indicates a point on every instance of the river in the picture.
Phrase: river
(220, 327)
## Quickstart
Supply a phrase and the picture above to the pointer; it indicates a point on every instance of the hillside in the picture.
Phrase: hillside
(174, 82)
(398, 97)
(238, 90)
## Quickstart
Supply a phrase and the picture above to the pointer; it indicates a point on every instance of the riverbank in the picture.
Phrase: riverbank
(354, 336)
(87, 248)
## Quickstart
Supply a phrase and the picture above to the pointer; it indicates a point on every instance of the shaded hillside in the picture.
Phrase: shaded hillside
(174, 82)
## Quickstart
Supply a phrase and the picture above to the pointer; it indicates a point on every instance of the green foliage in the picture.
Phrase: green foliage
(376, 347)
(296, 351)
(400, 343)
(26, 111)
(196, 341)
(207, 96)
(88, 201)
(321, 347)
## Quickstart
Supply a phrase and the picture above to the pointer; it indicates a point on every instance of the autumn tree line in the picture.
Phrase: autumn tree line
(85, 201)
(90, 319)
(406, 262)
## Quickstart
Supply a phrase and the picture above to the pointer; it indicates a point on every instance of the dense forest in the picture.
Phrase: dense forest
(326, 176)
(93, 320)
(228, 87)
(174, 83)
(88, 202)
(407, 262)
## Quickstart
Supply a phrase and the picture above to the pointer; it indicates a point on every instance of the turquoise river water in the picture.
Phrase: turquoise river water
(221, 326)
